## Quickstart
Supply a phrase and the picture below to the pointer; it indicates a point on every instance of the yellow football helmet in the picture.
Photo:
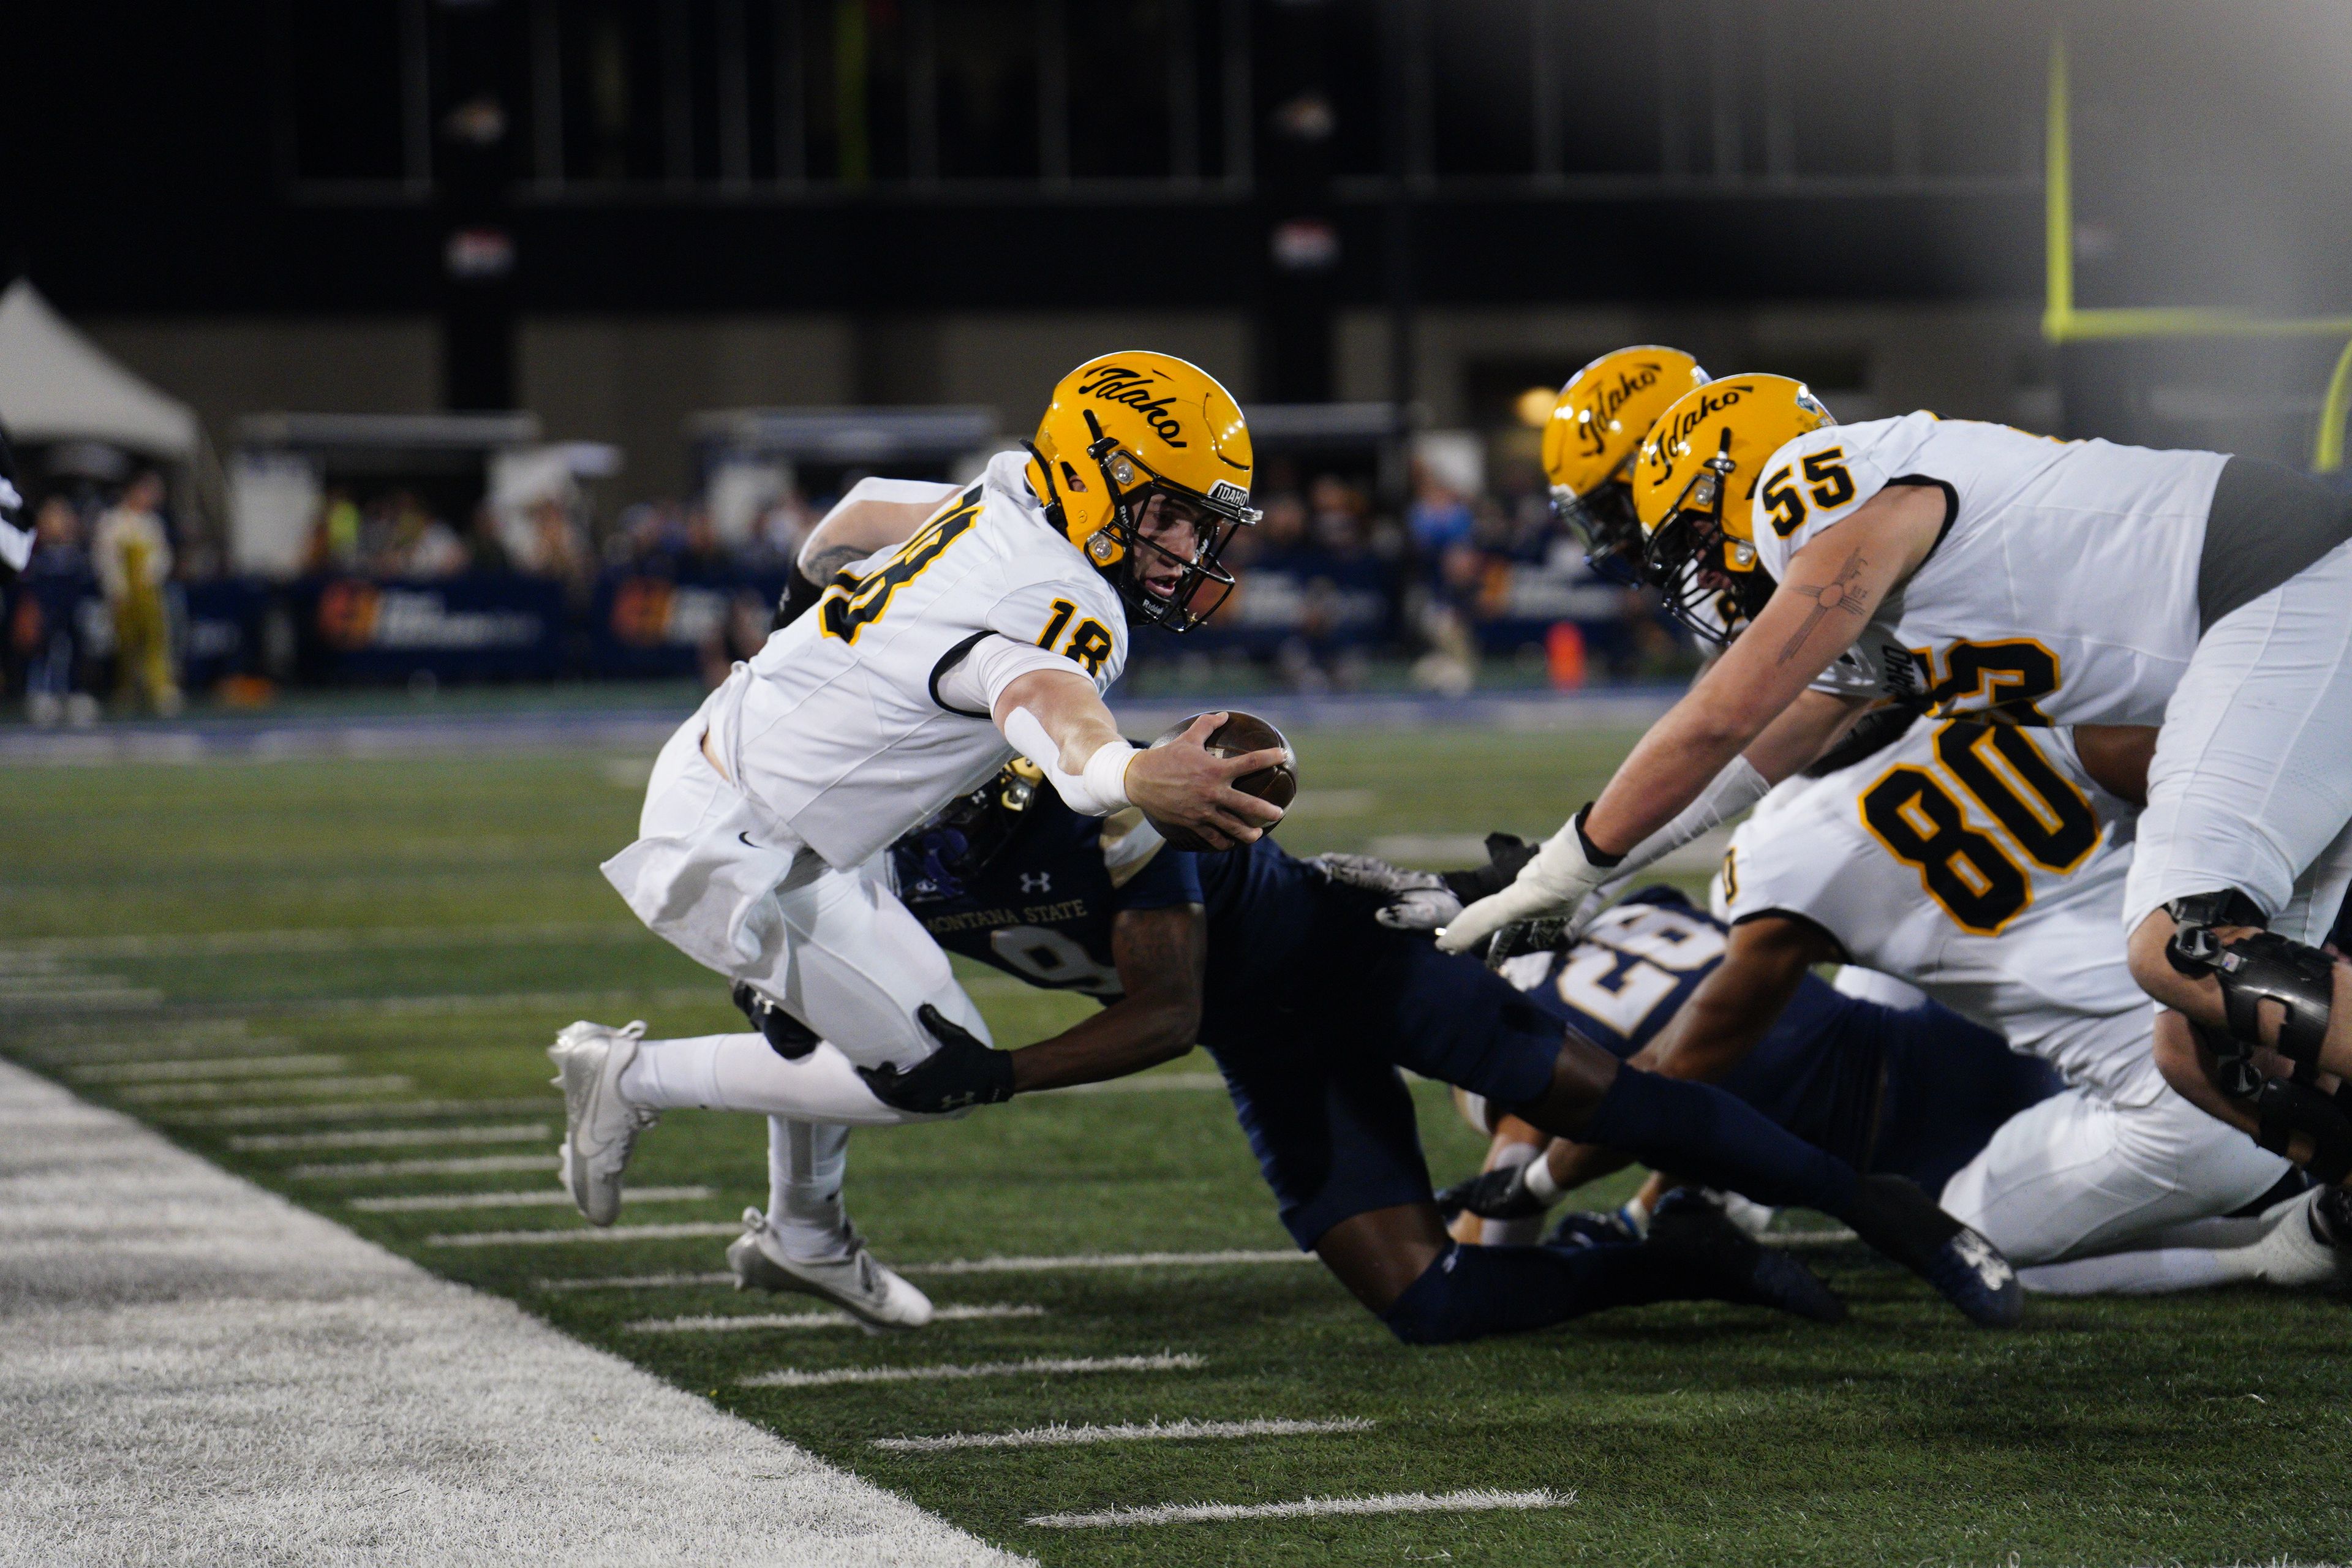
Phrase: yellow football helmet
(1589, 444)
(1123, 427)
(1695, 491)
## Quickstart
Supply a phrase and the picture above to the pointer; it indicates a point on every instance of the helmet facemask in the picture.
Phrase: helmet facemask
(1123, 551)
(1604, 519)
(1688, 558)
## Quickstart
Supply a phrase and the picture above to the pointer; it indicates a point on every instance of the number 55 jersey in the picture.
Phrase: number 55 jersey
(2064, 589)
(1979, 862)
(846, 725)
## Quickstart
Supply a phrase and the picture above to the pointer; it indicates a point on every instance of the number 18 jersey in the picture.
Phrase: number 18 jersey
(838, 726)
(1979, 862)
(2063, 590)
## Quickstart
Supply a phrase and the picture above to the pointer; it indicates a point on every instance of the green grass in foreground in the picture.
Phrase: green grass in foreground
(448, 917)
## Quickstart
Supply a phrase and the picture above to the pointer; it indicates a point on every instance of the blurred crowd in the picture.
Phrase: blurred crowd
(1472, 568)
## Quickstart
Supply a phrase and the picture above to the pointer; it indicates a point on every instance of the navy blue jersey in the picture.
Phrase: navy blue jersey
(1914, 1092)
(1041, 907)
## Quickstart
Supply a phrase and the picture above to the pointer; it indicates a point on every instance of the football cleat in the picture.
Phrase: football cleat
(600, 1127)
(2291, 1252)
(1891, 1215)
(1730, 1265)
(856, 1283)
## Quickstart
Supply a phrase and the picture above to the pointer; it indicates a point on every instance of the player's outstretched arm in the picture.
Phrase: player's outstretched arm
(1058, 722)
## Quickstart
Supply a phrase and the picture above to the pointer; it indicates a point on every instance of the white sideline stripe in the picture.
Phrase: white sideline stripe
(343, 939)
(1104, 1260)
(585, 1233)
(791, 1377)
(264, 1087)
(361, 1110)
(721, 1323)
(1144, 1083)
(478, 1164)
(299, 1394)
(954, 1266)
(206, 1067)
(1387, 1502)
(432, 1202)
(392, 1136)
(1126, 1432)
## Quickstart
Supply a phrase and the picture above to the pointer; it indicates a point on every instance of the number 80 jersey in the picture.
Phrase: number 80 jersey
(1979, 862)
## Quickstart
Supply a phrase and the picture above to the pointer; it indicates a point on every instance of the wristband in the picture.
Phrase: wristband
(1537, 1175)
(1105, 777)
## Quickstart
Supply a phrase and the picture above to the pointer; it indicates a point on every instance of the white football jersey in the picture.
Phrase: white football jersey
(837, 725)
(2064, 588)
(1978, 862)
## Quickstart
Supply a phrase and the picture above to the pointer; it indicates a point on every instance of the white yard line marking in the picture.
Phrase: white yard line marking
(563, 1004)
(1389, 1503)
(393, 1137)
(1104, 1260)
(585, 1233)
(1126, 1432)
(721, 1323)
(346, 939)
(790, 1377)
(359, 1111)
(475, 1165)
(634, 1282)
(206, 1067)
(263, 1088)
(432, 1202)
(953, 1266)
(1145, 1083)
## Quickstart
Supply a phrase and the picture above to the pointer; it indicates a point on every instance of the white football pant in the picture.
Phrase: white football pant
(2082, 1173)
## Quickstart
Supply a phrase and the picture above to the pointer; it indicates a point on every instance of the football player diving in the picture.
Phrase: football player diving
(1983, 571)
(1309, 1008)
(978, 622)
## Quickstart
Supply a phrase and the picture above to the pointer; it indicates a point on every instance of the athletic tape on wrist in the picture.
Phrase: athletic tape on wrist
(1097, 790)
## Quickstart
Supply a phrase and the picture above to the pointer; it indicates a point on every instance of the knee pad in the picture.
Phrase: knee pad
(2263, 967)
(789, 1038)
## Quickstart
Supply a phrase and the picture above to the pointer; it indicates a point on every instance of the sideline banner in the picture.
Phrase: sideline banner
(477, 626)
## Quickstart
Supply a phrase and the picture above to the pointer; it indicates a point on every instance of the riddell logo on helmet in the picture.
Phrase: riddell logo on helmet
(1117, 383)
(1612, 399)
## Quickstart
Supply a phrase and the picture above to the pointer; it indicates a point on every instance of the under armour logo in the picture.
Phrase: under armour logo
(1978, 1253)
(1036, 881)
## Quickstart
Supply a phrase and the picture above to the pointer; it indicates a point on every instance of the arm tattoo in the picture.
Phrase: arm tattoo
(821, 567)
(1839, 594)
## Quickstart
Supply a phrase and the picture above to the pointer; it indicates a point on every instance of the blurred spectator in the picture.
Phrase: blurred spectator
(420, 544)
(132, 554)
(1440, 516)
(56, 582)
(335, 538)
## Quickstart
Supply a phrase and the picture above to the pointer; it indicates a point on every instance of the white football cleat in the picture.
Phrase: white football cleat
(600, 1128)
(2288, 1252)
(855, 1282)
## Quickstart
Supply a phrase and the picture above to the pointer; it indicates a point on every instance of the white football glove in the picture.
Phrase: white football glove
(1554, 883)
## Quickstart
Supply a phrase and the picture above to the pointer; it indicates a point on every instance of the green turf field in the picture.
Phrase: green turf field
(294, 967)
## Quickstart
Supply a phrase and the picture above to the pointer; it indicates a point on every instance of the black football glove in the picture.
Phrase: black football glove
(1506, 855)
(1590, 1227)
(1500, 1193)
(963, 1072)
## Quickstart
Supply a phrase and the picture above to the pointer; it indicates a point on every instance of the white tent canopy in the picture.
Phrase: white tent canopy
(58, 385)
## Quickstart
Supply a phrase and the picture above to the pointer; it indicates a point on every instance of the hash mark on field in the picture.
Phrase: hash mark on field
(477, 1165)
(1389, 1503)
(555, 1198)
(720, 1323)
(282, 1087)
(344, 939)
(790, 1377)
(392, 1136)
(359, 1111)
(1104, 1260)
(188, 1067)
(635, 1281)
(586, 1233)
(1145, 1083)
(1126, 1432)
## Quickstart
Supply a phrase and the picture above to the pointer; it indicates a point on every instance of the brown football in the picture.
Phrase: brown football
(1239, 735)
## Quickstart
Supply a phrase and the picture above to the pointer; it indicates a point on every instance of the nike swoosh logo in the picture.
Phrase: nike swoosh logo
(746, 837)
